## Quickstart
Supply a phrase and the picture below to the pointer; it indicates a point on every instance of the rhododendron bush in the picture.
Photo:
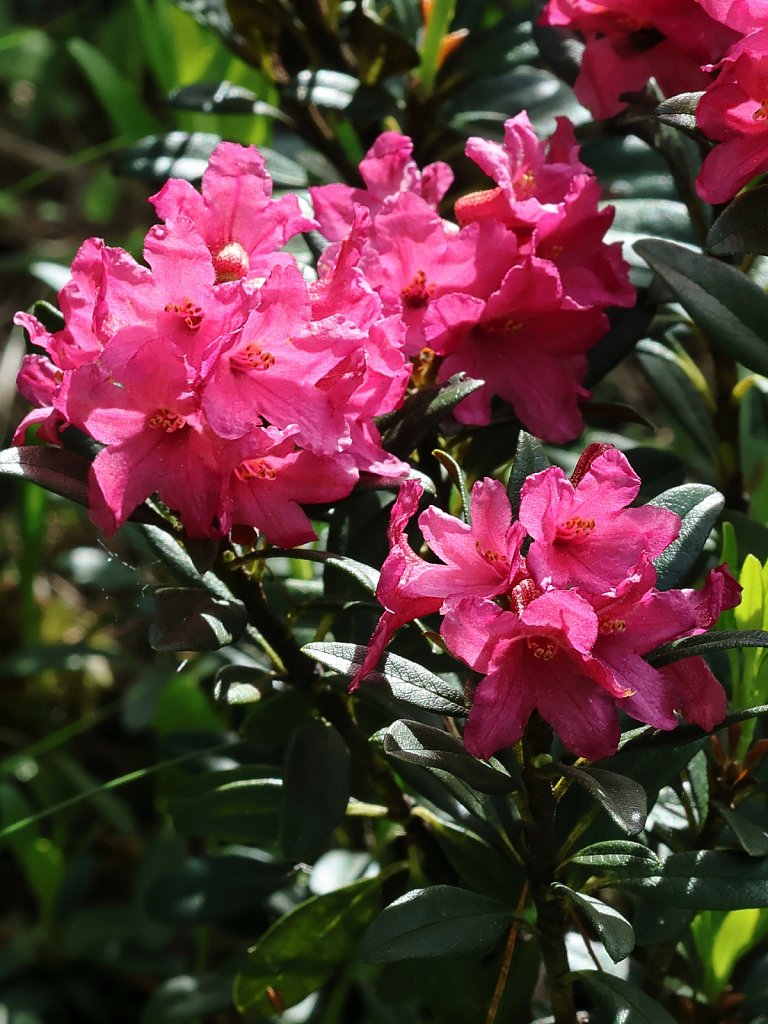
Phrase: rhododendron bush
(442, 438)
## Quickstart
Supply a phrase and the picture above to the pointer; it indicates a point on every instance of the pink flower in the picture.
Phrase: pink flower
(630, 41)
(387, 169)
(527, 341)
(585, 535)
(481, 559)
(540, 660)
(742, 15)
(734, 112)
(240, 223)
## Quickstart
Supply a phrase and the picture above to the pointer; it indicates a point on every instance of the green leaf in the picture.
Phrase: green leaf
(707, 643)
(315, 788)
(618, 1000)
(190, 619)
(223, 98)
(211, 888)
(628, 326)
(456, 473)
(741, 227)
(187, 997)
(698, 506)
(404, 680)
(54, 469)
(729, 308)
(123, 106)
(666, 371)
(439, 921)
(752, 838)
(706, 880)
(618, 853)
(171, 155)
(623, 799)
(421, 414)
(245, 810)
(614, 930)
(302, 949)
(530, 457)
(680, 111)
(366, 575)
(435, 748)
(479, 865)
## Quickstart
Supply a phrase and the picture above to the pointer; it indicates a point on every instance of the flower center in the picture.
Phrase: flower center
(255, 469)
(417, 294)
(231, 263)
(500, 327)
(542, 648)
(253, 357)
(761, 114)
(576, 526)
(612, 626)
(524, 184)
(167, 420)
(186, 310)
(490, 555)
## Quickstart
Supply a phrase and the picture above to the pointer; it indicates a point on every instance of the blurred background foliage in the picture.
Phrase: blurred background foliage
(112, 907)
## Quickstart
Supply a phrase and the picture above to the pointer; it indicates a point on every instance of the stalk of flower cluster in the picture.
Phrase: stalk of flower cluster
(541, 859)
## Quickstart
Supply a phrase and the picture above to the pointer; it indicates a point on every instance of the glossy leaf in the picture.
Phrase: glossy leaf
(613, 929)
(742, 226)
(706, 880)
(188, 997)
(435, 748)
(421, 413)
(698, 506)
(156, 158)
(530, 457)
(54, 469)
(618, 853)
(404, 680)
(618, 1000)
(315, 788)
(707, 643)
(210, 888)
(438, 921)
(680, 111)
(622, 798)
(729, 308)
(752, 838)
(189, 619)
(244, 810)
(302, 949)
(223, 98)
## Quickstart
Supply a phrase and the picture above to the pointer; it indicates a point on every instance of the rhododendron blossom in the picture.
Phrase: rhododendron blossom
(563, 630)
(734, 113)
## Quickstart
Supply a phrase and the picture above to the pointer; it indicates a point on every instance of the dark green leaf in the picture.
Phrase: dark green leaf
(202, 552)
(618, 853)
(315, 788)
(246, 810)
(706, 880)
(628, 326)
(210, 888)
(439, 921)
(54, 469)
(49, 316)
(421, 414)
(456, 474)
(305, 947)
(613, 929)
(729, 308)
(707, 643)
(379, 51)
(618, 1000)
(188, 619)
(366, 575)
(172, 155)
(685, 402)
(435, 748)
(530, 457)
(188, 997)
(479, 865)
(239, 684)
(752, 838)
(223, 98)
(285, 172)
(698, 506)
(623, 799)
(742, 226)
(335, 90)
(403, 679)
(680, 111)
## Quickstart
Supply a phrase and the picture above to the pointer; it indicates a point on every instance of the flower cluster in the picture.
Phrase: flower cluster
(220, 378)
(718, 46)
(557, 608)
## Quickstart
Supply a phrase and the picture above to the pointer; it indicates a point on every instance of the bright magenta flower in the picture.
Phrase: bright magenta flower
(734, 112)
(630, 41)
(584, 534)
